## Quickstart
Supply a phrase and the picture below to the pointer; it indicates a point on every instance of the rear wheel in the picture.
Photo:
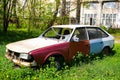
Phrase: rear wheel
(106, 51)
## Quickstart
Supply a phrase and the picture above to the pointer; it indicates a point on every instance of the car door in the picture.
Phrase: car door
(79, 43)
(96, 42)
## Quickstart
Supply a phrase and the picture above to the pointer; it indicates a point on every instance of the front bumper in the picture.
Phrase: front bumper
(21, 62)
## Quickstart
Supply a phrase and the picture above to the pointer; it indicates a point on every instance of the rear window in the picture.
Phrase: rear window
(95, 33)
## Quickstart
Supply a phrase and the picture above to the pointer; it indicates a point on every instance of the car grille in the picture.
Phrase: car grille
(15, 55)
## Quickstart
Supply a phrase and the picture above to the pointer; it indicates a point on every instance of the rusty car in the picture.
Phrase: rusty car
(61, 42)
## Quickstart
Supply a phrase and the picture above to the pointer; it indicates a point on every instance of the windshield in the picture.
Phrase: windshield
(58, 33)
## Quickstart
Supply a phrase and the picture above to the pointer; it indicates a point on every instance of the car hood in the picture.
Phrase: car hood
(25, 46)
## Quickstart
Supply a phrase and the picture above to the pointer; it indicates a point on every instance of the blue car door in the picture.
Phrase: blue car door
(96, 42)
(96, 46)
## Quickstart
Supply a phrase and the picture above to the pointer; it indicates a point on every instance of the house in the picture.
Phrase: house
(97, 12)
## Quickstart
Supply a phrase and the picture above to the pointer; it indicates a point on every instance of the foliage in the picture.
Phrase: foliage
(30, 14)
(103, 27)
(111, 30)
(107, 68)
(62, 20)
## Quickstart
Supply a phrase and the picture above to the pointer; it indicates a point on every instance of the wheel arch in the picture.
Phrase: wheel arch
(58, 55)
(106, 47)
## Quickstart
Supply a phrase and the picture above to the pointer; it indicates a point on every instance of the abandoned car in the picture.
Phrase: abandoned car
(61, 42)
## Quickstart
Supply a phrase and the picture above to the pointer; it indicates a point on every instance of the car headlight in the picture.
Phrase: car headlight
(6, 50)
(25, 56)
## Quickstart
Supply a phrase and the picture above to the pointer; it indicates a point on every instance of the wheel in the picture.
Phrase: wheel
(55, 62)
(106, 51)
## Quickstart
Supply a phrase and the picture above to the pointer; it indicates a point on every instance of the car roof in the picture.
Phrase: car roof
(72, 26)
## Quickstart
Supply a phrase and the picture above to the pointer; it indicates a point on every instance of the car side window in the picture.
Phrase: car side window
(95, 33)
(92, 33)
(80, 33)
(102, 33)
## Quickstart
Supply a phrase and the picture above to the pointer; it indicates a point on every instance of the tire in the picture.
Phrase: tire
(55, 62)
(106, 51)
(58, 63)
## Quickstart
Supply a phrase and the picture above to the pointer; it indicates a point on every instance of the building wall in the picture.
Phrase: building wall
(101, 14)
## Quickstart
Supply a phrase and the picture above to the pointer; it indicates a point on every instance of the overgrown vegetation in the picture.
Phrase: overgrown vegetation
(111, 30)
(28, 20)
(107, 68)
(32, 14)
(114, 31)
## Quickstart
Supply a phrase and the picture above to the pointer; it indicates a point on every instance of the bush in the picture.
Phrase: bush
(111, 30)
(103, 27)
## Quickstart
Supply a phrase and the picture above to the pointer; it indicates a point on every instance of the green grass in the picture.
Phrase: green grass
(107, 68)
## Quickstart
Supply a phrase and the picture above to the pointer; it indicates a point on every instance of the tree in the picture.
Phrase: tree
(55, 13)
(63, 11)
(8, 6)
(78, 11)
(5, 15)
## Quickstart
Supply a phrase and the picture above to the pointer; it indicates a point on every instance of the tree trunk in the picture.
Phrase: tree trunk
(55, 14)
(5, 24)
(78, 12)
(8, 6)
(5, 19)
(63, 11)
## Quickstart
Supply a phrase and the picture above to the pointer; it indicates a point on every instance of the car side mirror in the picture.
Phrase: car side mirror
(75, 38)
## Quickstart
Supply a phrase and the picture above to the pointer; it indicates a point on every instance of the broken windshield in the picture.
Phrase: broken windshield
(58, 33)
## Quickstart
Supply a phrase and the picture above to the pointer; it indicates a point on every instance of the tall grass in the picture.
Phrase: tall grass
(107, 68)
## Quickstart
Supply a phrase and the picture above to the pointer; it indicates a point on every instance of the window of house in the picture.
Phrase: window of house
(88, 17)
(108, 19)
(93, 6)
(109, 5)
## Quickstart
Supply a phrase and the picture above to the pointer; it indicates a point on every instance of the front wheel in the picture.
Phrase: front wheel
(55, 62)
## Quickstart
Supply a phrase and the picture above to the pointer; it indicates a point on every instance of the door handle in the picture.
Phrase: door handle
(101, 42)
(87, 45)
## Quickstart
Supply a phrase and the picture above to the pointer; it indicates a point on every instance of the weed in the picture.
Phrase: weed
(82, 68)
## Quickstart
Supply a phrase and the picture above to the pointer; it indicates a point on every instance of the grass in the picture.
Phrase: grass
(117, 36)
(107, 68)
